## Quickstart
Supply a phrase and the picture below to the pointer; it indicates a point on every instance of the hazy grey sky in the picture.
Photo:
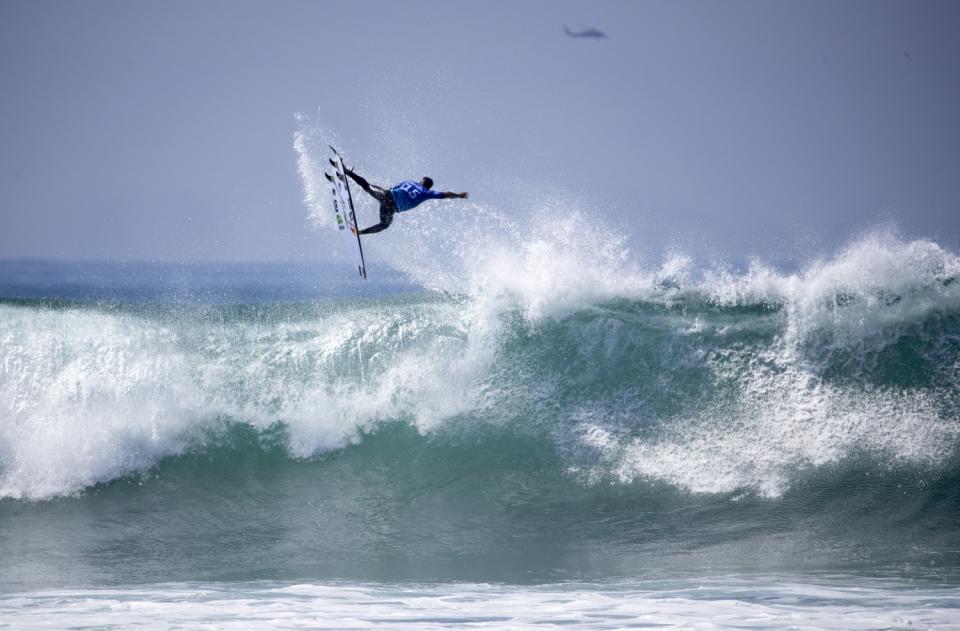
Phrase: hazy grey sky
(163, 130)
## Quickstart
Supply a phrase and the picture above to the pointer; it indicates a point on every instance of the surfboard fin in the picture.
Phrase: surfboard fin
(329, 177)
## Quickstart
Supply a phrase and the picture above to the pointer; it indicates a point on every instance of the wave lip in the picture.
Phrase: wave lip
(88, 395)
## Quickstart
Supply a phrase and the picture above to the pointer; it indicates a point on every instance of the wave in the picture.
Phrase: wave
(733, 383)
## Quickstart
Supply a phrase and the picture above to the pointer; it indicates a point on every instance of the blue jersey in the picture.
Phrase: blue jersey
(409, 195)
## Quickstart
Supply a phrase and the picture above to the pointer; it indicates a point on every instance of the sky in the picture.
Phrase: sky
(163, 131)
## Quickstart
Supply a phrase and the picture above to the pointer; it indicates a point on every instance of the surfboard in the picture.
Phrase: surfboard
(343, 207)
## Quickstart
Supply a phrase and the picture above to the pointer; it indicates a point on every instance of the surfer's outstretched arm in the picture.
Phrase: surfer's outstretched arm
(449, 195)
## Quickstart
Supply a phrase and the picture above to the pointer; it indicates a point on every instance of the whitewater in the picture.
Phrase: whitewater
(542, 427)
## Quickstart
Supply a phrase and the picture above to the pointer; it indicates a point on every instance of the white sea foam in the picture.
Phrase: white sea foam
(707, 604)
(788, 417)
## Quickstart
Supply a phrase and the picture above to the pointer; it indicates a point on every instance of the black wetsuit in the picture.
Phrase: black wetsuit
(388, 206)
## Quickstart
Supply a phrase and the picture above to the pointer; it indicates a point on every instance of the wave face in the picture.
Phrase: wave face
(649, 414)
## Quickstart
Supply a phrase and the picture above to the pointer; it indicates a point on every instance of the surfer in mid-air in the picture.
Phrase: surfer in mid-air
(401, 198)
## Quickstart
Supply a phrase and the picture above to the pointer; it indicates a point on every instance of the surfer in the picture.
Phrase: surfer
(401, 198)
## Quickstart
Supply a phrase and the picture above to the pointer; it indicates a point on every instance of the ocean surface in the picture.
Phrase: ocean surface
(541, 442)
(518, 421)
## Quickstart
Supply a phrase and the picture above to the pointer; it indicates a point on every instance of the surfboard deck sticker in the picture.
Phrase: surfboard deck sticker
(343, 207)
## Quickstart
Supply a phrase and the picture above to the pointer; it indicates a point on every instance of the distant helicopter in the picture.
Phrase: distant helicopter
(590, 32)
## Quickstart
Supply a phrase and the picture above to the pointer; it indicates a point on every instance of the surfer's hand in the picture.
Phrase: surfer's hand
(463, 195)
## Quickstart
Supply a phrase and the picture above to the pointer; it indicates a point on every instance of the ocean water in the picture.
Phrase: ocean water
(512, 424)
(676, 447)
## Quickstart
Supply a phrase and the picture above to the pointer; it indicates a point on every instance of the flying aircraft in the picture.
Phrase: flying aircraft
(590, 32)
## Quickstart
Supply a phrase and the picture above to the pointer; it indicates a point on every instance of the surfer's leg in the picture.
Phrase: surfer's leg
(373, 190)
(386, 218)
